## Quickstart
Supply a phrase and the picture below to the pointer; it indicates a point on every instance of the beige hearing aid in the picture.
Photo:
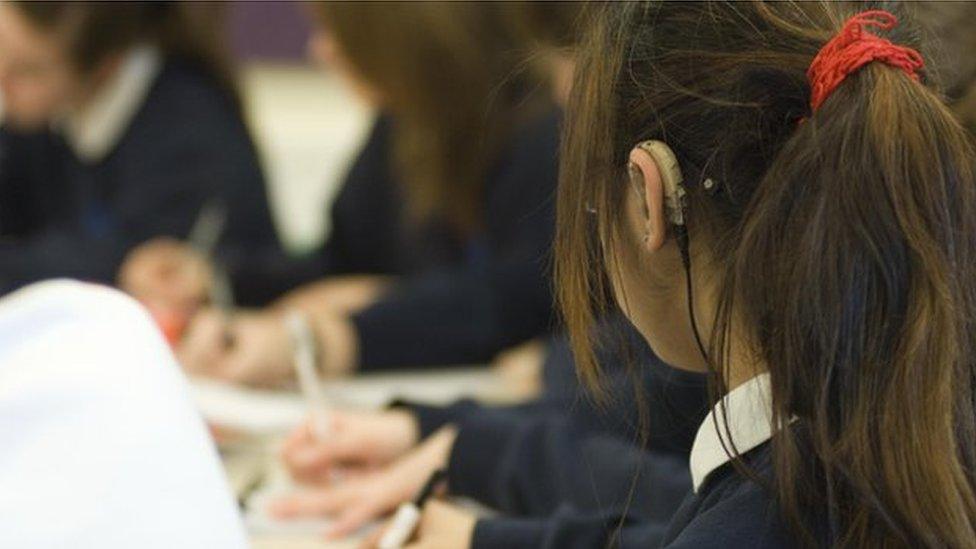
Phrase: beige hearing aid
(674, 191)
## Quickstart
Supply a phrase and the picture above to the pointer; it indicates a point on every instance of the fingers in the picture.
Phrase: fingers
(202, 347)
(299, 437)
(372, 541)
(317, 503)
(166, 273)
(352, 504)
(310, 460)
(356, 516)
(309, 464)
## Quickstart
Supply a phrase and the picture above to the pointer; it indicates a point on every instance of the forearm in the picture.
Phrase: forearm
(568, 530)
(339, 295)
(449, 318)
(528, 467)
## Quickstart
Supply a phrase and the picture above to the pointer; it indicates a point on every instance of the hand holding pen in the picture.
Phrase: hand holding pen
(427, 523)
(404, 522)
(173, 278)
(372, 492)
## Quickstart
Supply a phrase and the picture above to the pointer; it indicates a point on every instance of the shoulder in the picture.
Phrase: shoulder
(527, 170)
(536, 139)
(189, 120)
(189, 85)
(188, 104)
(69, 298)
(85, 319)
(729, 511)
(83, 368)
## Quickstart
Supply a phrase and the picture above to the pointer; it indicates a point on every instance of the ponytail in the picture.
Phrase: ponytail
(863, 233)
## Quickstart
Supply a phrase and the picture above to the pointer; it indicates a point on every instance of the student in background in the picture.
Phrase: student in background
(440, 242)
(121, 124)
(822, 259)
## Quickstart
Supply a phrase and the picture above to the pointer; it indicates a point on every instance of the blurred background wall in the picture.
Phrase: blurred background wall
(306, 124)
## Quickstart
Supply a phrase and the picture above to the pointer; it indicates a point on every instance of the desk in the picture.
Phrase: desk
(248, 461)
(266, 542)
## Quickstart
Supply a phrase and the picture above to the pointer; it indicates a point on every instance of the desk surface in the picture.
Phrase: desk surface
(272, 542)
(248, 462)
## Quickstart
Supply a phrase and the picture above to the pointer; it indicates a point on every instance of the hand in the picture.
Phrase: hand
(442, 526)
(357, 442)
(251, 348)
(355, 501)
(520, 370)
(337, 295)
(167, 274)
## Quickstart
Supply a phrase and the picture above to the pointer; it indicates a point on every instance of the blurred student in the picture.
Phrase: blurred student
(815, 229)
(441, 233)
(100, 444)
(121, 124)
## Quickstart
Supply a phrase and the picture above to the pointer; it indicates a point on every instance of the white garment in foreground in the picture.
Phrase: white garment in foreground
(100, 446)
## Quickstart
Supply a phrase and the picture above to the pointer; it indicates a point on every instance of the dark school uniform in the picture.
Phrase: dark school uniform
(724, 508)
(568, 470)
(184, 146)
(457, 300)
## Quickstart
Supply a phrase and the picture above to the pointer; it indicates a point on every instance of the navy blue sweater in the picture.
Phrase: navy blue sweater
(458, 300)
(570, 469)
(675, 401)
(730, 511)
(186, 146)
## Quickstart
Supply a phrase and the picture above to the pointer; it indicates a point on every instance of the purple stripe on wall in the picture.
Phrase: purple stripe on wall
(268, 30)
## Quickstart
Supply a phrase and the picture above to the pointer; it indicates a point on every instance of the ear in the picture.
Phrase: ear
(646, 178)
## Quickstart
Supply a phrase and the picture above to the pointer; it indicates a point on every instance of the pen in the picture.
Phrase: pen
(303, 342)
(204, 237)
(408, 514)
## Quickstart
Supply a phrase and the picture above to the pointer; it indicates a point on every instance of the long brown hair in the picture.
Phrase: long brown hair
(93, 30)
(450, 75)
(845, 246)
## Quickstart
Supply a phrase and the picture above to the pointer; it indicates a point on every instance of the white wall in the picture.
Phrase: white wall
(307, 127)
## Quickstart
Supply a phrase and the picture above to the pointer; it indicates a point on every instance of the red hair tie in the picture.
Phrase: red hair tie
(854, 47)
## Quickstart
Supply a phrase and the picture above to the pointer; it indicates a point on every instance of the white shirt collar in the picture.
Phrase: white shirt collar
(93, 131)
(749, 409)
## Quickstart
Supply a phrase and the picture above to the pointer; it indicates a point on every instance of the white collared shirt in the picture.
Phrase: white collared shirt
(94, 131)
(749, 412)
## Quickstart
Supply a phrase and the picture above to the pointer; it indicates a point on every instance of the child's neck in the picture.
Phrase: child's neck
(743, 363)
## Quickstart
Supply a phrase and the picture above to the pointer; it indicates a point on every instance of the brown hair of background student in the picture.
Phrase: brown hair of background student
(844, 247)
(450, 75)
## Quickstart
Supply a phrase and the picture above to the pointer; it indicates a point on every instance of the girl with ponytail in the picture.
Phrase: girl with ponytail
(776, 194)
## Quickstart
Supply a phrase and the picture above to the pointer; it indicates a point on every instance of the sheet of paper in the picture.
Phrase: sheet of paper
(247, 410)
(260, 522)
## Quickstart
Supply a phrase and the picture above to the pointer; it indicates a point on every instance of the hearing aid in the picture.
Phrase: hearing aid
(671, 178)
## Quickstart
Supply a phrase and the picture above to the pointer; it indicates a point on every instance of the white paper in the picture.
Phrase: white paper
(247, 410)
